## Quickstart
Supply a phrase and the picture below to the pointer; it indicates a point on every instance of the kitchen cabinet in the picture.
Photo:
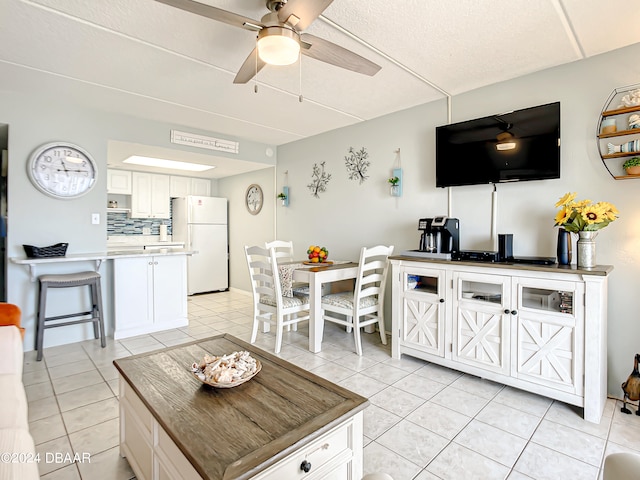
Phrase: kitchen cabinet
(150, 294)
(119, 182)
(150, 195)
(183, 186)
(538, 328)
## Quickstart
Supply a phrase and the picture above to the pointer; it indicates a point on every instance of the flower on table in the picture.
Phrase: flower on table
(584, 215)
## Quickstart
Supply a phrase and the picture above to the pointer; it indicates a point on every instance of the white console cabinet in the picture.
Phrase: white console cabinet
(538, 328)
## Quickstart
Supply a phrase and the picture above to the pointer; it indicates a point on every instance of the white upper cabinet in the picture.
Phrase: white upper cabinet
(119, 182)
(201, 187)
(150, 195)
(183, 186)
(180, 186)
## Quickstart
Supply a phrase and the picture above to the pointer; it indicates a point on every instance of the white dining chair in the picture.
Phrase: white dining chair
(365, 305)
(283, 250)
(270, 307)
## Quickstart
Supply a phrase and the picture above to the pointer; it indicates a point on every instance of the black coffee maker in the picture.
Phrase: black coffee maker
(439, 235)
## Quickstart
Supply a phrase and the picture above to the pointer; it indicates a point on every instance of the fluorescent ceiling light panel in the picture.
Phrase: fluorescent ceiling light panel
(170, 164)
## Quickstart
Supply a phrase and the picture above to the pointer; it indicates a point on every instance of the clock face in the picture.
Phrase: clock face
(62, 170)
(254, 199)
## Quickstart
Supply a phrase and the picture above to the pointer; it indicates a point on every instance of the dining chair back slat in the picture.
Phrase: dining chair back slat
(282, 249)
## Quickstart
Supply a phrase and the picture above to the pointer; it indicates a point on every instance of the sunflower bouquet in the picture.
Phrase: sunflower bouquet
(576, 216)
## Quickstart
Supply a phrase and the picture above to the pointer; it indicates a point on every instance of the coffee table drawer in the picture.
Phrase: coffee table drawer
(135, 444)
(324, 455)
(171, 461)
(136, 407)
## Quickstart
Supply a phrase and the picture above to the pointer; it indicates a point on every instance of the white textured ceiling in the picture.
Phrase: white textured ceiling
(150, 60)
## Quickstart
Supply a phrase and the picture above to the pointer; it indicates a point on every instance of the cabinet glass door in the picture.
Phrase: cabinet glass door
(549, 336)
(481, 321)
(423, 309)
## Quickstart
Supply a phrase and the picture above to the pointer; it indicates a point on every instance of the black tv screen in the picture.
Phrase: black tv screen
(507, 147)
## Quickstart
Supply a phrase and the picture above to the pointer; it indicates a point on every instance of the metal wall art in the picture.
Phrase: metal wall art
(319, 180)
(357, 164)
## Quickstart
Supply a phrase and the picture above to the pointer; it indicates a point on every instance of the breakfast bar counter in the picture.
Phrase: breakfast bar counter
(96, 257)
(284, 423)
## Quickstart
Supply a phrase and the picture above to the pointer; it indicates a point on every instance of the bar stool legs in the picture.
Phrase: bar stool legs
(90, 279)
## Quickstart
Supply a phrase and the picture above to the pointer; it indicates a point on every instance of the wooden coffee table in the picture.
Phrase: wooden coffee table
(279, 424)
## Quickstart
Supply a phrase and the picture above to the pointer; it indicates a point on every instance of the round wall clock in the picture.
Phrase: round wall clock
(62, 170)
(254, 199)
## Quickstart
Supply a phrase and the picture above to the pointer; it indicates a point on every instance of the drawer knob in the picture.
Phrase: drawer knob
(305, 466)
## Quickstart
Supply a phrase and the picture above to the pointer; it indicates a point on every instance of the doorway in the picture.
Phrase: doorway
(4, 146)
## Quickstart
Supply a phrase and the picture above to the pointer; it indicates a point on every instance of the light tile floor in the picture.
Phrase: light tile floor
(424, 421)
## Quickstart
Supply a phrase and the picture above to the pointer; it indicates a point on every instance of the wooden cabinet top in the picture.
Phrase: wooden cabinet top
(236, 432)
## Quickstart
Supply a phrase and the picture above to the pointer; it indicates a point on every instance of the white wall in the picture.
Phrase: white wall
(36, 219)
(245, 228)
(349, 216)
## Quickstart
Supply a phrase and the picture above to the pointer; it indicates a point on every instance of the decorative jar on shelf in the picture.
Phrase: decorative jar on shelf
(632, 166)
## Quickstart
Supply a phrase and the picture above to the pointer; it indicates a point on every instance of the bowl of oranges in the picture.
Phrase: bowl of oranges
(317, 254)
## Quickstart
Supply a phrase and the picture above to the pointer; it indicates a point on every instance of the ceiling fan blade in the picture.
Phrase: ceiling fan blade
(329, 52)
(214, 13)
(249, 67)
(305, 11)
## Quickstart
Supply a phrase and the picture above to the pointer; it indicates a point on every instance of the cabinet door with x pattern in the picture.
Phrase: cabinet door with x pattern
(481, 321)
(549, 333)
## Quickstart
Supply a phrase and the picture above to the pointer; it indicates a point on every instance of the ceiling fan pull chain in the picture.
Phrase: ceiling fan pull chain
(255, 87)
(300, 97)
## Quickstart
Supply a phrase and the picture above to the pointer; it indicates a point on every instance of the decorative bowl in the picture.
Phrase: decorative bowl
(237, 364)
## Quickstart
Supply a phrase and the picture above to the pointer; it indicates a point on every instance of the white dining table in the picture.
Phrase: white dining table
(315, 276)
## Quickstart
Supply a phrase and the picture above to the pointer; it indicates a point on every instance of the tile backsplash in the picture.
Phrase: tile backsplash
(119, 223)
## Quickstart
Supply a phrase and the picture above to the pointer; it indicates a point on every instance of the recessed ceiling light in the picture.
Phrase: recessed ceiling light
(171, 164)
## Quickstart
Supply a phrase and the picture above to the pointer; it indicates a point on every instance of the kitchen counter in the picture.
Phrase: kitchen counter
(98, 257)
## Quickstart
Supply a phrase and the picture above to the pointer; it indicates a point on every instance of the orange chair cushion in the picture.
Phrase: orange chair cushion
(10, 314)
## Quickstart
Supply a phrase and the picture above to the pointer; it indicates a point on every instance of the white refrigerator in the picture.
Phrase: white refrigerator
(201, 223)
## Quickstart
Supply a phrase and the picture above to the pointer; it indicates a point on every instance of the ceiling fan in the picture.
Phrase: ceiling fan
(280, 38)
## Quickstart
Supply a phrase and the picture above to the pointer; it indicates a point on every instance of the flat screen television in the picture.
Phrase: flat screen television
(507, 147)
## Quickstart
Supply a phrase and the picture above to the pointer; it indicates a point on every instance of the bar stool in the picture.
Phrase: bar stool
(81, 279)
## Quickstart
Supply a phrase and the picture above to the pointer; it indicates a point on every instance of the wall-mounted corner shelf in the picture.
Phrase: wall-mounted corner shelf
(119, 210)
(612, 161)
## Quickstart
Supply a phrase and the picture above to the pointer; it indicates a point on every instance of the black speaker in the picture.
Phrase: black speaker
(505, 247)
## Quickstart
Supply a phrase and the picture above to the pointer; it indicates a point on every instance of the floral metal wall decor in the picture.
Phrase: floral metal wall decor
(319, 180)
(357, 164)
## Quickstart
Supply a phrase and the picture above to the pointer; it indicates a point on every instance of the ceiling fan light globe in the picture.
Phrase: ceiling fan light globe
(277, 46)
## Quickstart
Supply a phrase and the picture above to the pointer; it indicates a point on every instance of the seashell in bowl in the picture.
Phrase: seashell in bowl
(226, 371)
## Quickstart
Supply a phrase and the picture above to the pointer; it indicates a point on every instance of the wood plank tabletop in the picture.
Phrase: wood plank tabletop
(236, 432)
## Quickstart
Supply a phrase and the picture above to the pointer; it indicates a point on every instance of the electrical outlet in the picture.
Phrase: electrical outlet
(95, 219)
(146, 230)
